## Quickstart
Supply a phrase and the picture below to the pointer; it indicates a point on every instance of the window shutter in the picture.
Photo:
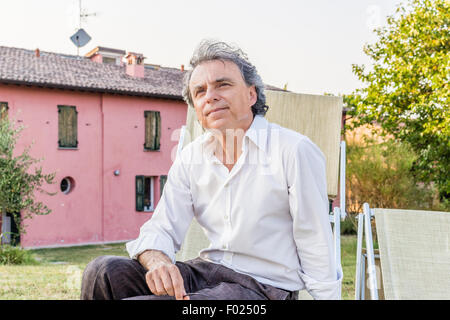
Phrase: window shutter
(3, 110)
(67, 127)
(158, 129)
(152, 130)
(162, 182)
(140, 193)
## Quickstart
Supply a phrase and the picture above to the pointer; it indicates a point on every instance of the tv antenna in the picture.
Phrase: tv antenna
(81, 38)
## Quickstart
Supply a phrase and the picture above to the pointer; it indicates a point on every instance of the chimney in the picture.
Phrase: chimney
(96, 57)
(106, 55)
(135, 64)
(37, 52)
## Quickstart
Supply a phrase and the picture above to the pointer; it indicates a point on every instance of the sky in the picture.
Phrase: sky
(308, 45)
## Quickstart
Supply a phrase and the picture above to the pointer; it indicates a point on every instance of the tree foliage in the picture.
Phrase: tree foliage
(20, 177)
(379, 173)
(406, 89)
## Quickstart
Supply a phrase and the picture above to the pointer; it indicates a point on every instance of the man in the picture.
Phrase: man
(257, 189)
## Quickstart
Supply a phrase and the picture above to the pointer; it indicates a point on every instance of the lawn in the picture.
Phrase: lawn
(58, 272)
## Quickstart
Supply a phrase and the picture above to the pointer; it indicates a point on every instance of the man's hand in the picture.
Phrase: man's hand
(162, 277)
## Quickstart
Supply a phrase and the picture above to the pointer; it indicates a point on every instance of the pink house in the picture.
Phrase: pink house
(107, 124)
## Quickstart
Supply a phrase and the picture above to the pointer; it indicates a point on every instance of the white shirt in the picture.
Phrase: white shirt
(267, 217)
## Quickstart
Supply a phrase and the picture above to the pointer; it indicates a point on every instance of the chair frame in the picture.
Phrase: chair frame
(365, 231)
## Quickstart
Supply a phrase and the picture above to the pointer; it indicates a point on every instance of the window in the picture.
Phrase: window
(3, 110)
(152, 130)
(162, 182)
(108, 60)
(67, 127)
(144, 193)
(67, 184)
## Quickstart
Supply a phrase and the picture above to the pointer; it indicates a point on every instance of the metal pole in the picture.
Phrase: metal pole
(358, 274)
(337, 236)
(342, 181)
(80, 13)
(370, 254)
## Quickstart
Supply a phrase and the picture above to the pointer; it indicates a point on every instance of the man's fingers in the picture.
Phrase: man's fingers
(159, 286)
(150, 282)
(177, 282)
(167, 282)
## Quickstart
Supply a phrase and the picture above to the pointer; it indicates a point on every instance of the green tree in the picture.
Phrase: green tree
(406, 89)
(379, 173)
(20, 177)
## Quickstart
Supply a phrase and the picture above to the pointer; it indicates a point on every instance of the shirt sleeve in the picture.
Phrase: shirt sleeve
(308, 201)
(167, 227)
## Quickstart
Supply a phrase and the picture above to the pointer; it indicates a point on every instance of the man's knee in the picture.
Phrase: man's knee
(100, 264)
(99, 273)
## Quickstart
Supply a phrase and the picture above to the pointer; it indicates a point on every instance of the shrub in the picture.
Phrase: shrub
(15, 255)
(348, 226)
(379, 172)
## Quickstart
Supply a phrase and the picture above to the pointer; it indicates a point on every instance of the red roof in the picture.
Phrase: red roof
(53, 70)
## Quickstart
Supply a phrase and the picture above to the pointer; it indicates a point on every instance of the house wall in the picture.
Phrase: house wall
(124, 138)
(101, 207)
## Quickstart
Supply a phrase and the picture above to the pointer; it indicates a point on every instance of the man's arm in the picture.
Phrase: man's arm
(308, 200)
(161, 236)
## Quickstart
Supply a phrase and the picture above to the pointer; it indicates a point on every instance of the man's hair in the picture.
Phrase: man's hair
(209, 50)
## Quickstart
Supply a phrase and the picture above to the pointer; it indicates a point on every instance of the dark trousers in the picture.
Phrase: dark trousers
(112, 278)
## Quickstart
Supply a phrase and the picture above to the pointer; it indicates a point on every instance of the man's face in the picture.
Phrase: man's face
(221, 98)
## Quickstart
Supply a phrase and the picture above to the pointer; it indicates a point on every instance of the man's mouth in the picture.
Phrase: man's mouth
(216, 109)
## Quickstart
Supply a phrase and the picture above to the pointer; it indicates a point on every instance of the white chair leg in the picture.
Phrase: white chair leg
(358, 274)
(370, 254)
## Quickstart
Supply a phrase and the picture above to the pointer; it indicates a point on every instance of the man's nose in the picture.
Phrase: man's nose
(211, 95)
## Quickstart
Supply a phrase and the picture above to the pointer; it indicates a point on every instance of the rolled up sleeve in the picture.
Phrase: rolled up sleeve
(166, 229)
(308, 203)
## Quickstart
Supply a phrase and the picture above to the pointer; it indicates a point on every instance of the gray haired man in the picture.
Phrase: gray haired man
(267, 220)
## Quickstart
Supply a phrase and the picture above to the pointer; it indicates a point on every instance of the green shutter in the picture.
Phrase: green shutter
(162, 182)
(152, 130)
(157, 129)
(67, 127)
(140, 193)
(3, 110)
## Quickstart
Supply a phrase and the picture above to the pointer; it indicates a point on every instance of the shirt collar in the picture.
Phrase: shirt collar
(257, 133)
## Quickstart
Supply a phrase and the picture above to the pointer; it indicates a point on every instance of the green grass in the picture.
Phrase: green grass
(57, 275)
(348, 260)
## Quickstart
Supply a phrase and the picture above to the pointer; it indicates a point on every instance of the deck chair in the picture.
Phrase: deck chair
(317, 117)
(414, 253)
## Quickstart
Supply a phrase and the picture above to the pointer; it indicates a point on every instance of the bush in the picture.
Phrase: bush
(379, 172)
(15, 255)
(348, 227)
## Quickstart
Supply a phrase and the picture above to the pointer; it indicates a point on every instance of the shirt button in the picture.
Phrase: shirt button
(224, 246)
(226, 217)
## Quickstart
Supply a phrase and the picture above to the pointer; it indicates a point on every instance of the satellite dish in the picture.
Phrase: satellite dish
(80, 38)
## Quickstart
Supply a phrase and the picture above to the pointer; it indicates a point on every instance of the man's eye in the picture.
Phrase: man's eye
(198, 92)
(223, 84)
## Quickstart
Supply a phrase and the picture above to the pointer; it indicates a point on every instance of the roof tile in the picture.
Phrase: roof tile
(74, 72)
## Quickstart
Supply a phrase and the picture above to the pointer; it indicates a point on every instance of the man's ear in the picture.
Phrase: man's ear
(253, 95)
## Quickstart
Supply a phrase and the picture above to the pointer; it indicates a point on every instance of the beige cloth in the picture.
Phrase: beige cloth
(415, 253)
